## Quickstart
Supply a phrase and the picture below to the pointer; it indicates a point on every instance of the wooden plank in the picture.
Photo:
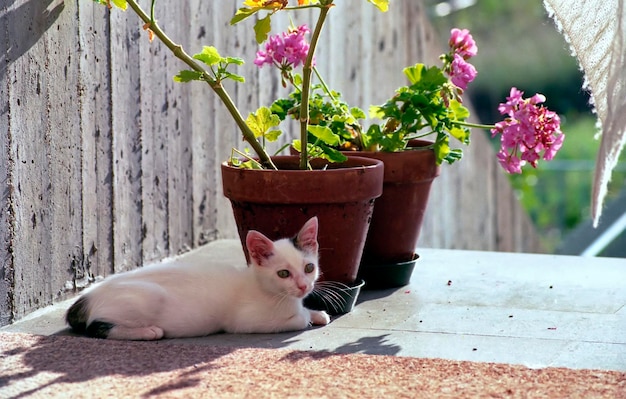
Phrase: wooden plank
(203, 109)
(227, 133)
(7, 218)
(360, 68)
(485, 189)
(155, 128)
(440, 227)
(245, 96)
(95, 125)
(424, 45)
(126, 121)
(442, 224)
(414, 28)
(349, 75)
(471, 207)
(27, 101)
(505, 218)
(179, 147)
(389, 59)
(64, 166)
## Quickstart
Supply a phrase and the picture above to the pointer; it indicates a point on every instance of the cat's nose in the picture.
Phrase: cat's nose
(303, 288)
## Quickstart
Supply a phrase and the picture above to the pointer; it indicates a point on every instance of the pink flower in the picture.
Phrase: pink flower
(510, 163)
(287, 50)
(461, 72)
(462, 43)
(530, 132)
(512, 102)
(554, 148)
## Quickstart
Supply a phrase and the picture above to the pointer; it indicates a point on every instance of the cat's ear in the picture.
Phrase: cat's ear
(260, 247)
(307, 237)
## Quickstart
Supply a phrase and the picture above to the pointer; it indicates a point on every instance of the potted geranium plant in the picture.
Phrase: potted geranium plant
(413, 137)
(431, 106)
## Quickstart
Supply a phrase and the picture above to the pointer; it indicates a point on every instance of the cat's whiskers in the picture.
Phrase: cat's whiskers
(280, 298)
(327, 292)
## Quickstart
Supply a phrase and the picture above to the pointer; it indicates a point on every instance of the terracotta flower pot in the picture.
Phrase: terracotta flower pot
(389, 253)
(277, 203)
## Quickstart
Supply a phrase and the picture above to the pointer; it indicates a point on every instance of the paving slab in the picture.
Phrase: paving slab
(529, 309)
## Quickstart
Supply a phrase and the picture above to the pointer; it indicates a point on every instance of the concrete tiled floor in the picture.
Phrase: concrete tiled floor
(535, 310)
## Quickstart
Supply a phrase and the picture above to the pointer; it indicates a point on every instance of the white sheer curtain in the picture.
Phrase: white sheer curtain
(596, 30)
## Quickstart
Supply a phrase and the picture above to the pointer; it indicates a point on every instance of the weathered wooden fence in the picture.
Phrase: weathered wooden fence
(106, 164)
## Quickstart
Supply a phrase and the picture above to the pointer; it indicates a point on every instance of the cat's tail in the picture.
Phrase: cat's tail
(78, 314)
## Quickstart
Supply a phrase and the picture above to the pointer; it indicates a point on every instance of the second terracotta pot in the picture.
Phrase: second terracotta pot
(389, 253)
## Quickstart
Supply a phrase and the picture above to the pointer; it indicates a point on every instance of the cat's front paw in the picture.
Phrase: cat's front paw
(319, 318)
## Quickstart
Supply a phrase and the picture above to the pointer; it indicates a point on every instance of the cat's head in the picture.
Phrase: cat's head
(286, 266)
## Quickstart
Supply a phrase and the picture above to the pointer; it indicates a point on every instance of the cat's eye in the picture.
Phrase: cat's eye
(309, 267)
(283, 273)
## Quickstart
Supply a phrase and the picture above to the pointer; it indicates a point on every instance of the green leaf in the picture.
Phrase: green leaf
(357, 113)
(324, 134)
(392, 143)
(120, 3)
(376, 112)
(234, 76)
(297, 79)
(233, 60)
(250, 165)
(261, 121)
(281, 107)
(262, 28)
(454, 155)
(414, 73)
(434, 77)
(442, 150)
(457, 111)
(371, 137)
(243, 13)
(187, 76)
(320, 151)
(273, 135)
(331, 154)
(461, 134)
(425, 78)
(410, 116)
(383, 5)
(209, 56)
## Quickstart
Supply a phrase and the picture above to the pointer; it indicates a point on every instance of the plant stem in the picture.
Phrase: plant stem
(324, 85)
(476, 125)
(152, 20)
(180, 53)
(248, 157)
(418, 136)
(306, 85)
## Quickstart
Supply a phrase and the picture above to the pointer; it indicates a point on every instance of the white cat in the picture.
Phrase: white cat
(188, 300)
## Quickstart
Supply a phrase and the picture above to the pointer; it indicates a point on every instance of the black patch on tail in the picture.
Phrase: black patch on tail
(99, 329)
(77, 316)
